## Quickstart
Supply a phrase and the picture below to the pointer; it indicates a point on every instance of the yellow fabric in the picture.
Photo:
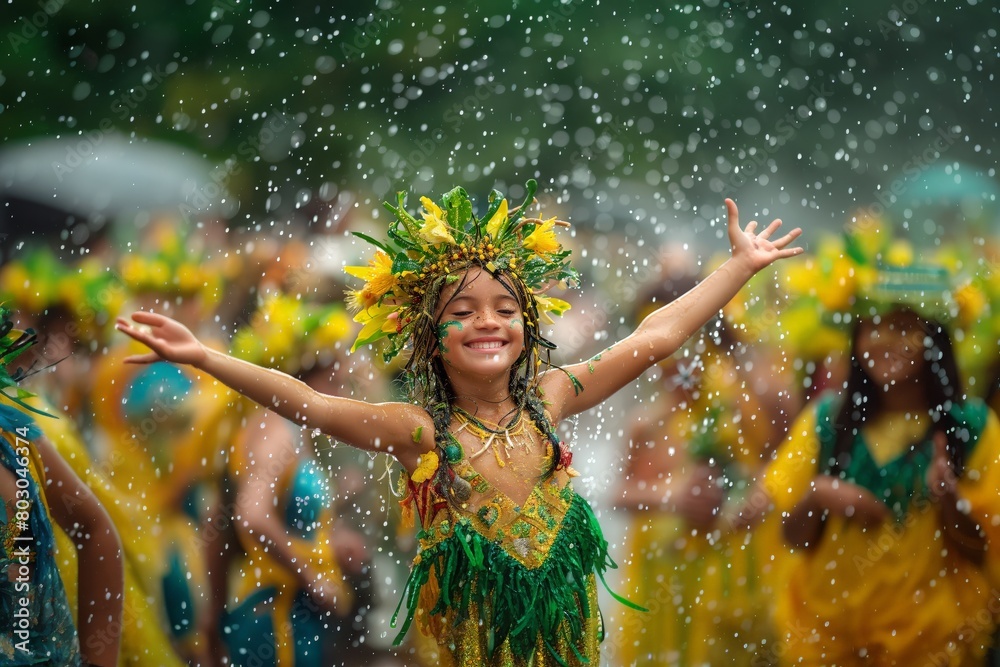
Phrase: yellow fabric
(257, 568)
(148, 466)
(144, 640)
(708, 595)
(892, 593)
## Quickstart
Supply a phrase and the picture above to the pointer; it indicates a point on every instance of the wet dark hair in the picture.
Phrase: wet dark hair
(942, 387)
(427, 384)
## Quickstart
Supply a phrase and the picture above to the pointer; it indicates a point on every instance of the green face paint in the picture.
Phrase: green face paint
(443, 333)
(516, 321)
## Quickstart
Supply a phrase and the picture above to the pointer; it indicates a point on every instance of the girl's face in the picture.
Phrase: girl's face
(891, 348)
(480, 326)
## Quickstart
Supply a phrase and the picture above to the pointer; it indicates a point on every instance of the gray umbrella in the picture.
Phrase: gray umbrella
(103, 174)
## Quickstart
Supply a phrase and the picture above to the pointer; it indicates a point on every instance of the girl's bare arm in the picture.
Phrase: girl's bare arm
(403, 430)
(665, 330)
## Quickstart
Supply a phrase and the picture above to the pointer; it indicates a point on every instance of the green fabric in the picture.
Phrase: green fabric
(903, 478)
(177, 595)
(515, 602)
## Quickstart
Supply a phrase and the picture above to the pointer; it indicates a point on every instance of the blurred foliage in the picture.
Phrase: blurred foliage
(625, 108)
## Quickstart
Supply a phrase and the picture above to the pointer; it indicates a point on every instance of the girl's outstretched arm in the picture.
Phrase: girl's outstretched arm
(403, 430)
(665, 330)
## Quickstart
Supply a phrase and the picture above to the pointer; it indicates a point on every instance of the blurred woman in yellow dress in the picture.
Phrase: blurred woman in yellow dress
(694, 451)
(69, 306)
(38, 492)
(290, 596)
(163, 432)
(889, 490)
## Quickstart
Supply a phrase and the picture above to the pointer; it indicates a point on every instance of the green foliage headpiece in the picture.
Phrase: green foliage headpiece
(404, 278)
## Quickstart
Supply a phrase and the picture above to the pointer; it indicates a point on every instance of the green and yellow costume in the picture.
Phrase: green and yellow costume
(708, 592)
(498, 583)
(897, 591)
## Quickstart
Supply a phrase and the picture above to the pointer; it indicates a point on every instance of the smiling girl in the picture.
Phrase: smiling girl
(509, 553)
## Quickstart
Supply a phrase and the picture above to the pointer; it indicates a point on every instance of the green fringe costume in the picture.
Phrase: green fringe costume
(500, 584)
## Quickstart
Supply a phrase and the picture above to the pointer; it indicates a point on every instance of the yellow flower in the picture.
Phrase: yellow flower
(550, 304)
(870, 234)
(376, 323)
(427, 465)
(543, 239)
(435, 229)
(188, 278)
(357, 299)
(799, 276)
(377, 275)
(900, 253)
(496, 221)
(335, 327)
(835, 292)
(971, 303)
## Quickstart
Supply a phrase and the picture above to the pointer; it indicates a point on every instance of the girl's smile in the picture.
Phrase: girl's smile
(480, 328)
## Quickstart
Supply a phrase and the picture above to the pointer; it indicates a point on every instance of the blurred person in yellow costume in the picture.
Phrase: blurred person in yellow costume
(163, 432)
(293, 595)
(50, 615)
(70, 306)
(694, 450)
(888, 486)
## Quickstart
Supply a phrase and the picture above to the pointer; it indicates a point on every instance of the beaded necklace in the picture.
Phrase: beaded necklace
(512, 436)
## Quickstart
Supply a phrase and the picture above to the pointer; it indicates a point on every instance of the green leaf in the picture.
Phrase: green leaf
(531, 186)
(402, 263)
(377, 244)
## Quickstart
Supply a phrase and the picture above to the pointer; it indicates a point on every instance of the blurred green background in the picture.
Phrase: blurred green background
(639, 116)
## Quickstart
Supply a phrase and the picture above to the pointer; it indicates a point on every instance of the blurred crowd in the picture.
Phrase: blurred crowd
(773, 505)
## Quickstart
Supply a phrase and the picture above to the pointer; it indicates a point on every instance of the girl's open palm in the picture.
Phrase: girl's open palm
(168, 339)
(758, 250)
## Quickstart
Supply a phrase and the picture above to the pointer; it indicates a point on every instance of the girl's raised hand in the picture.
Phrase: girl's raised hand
(758, 250)
(168, 339)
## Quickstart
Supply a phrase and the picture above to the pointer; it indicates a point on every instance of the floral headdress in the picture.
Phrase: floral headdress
(38, 281)
(867, 271)
(405, 276)
(13, 342)
(287, 333)
(169, 266)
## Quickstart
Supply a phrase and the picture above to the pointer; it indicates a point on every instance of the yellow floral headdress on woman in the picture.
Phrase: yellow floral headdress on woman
(865, 272)
(88, 291)
(405, 276)
(290, 334)
(169, 266)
